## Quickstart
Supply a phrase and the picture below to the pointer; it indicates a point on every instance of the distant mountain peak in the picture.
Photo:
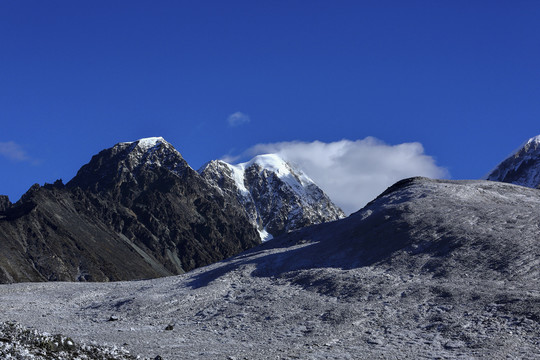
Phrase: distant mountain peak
(276, 164)
(272, 162)
(278, 197)
(126, 161)
(522, 167)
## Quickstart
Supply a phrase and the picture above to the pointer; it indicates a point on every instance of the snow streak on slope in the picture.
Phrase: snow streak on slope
(522, 167)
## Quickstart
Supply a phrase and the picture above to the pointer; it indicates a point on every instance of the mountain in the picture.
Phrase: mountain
(278, 197)
(136, 210)
(522, 167)
(429, 269)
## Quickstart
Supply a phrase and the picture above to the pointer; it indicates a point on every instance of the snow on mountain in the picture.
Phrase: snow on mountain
(125, 162)
(277, 196)
(522, 167)
(296, 179)
(147, 143)
(155, 151)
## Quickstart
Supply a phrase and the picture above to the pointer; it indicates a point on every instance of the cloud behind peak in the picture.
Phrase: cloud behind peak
(351, 172)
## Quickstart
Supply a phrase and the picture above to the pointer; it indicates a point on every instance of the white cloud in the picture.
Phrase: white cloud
(238, 118)
(353, 173)
(13, 151)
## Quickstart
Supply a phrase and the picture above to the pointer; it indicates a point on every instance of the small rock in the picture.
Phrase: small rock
(113, 318)
(375, 341)
(169, 327)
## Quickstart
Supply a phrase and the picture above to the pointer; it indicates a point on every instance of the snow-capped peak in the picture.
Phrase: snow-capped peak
(278, 197)
(147, 143)
(154, 151)
(276, 164)
(271, 162)
(534, 140)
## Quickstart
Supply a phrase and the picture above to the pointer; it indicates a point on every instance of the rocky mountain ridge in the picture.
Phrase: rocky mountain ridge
(278, 198)
(138, 210)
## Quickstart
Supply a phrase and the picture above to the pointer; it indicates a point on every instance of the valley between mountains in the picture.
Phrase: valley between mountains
(428, 269)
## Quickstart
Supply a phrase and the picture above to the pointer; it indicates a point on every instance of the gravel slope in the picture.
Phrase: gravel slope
(430, 269)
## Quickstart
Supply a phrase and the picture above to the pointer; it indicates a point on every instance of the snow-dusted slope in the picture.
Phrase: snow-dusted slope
(429, 270)
(278, 197)
(522, 167)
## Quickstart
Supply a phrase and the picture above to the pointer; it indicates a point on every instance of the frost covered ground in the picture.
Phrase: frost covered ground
(431, 269)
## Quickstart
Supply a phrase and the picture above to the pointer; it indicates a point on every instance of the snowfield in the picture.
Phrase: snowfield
(430, 269)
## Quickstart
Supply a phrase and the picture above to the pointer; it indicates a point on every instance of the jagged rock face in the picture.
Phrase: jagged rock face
(277, 197)
(522, 167)
(137, 203)
(4, 203)
(127, 169)
(179, 216)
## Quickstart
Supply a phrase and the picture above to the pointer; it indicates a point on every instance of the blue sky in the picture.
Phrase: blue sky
(459, 77)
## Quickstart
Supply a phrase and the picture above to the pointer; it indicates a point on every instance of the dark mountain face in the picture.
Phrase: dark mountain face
(136, 210)
(55, 234)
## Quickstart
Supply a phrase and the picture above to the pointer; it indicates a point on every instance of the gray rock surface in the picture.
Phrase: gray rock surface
(430, 269)
(278, 197)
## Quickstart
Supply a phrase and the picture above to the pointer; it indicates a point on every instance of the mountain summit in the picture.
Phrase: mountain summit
(522, 167)
(277, 196)
(126, 162)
